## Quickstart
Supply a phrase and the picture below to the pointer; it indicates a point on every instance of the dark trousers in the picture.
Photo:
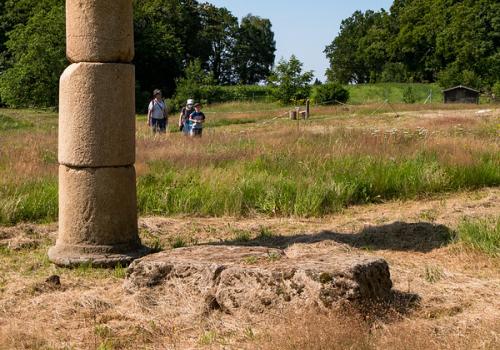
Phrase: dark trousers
(196, 132)
(159, 125)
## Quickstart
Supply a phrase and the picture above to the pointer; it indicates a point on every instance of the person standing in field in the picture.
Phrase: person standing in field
(184, 124)
(157, 114)
(196, 119)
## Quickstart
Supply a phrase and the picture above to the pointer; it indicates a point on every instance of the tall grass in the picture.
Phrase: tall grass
(271, 184)
(278, 184)
(274, 168)
(31, 201)
(481, 234)
(8, 123)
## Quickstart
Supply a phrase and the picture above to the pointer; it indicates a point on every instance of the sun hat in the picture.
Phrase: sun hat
(190, 102)
(197, 104)
(156, 92)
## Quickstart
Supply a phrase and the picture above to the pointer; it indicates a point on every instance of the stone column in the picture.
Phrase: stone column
(97, 188)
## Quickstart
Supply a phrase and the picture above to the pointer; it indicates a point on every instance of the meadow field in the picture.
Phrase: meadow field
(255, 161)
(415, 184)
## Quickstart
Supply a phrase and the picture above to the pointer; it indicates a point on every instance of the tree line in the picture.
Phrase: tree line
(447, 41)
(169, 36)
(192, 49)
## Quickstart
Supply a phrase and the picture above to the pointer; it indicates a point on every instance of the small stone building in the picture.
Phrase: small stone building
(461, 94)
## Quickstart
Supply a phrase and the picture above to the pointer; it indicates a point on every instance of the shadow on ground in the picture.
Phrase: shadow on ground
(400, 236)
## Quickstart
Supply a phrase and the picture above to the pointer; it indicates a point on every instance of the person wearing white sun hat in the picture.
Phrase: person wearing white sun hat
(184, 124)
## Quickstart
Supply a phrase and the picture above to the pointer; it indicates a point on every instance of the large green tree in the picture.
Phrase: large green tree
(254, 51)
(360, 48)
(35, 55)
(169, 35)
(218, 38)
(166, 37)
(449, 41)
(14, 12)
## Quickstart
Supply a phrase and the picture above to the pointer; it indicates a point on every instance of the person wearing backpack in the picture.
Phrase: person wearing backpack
(184, 124)
(157, 114)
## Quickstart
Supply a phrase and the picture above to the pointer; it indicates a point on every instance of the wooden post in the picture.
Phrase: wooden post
(307, 109)
(293, 114)
(297, 114)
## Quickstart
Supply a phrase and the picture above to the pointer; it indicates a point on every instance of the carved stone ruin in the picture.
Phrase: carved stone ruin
(97, 188)
(255, 279)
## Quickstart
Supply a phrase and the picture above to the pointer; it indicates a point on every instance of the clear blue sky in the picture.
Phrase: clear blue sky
(303, 28)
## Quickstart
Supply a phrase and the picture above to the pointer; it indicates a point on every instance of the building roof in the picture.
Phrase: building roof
(461, 87)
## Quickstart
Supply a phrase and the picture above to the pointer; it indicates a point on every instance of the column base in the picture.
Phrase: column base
(97, 256)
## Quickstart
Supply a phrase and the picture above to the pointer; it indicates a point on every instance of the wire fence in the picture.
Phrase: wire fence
(284, 112)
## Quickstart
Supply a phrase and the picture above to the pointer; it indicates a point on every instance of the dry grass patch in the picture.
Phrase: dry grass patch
(341, 330)
(458, 287)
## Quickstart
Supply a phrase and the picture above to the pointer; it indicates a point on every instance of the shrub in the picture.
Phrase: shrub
(289, 83)
(196, 84)
(330, 93)
(409, 95)
(454, 75)
(246, 93)
(496, 91)
(199, 85)
(219, 94)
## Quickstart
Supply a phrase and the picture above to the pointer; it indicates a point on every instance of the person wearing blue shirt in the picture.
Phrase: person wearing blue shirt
(196, 119)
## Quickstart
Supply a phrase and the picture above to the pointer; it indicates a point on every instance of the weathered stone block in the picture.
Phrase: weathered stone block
(97, 115)
(97, 215)
(258, 278)
(99, 31)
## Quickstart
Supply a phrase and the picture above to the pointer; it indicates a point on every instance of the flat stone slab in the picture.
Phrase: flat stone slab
(233, 278)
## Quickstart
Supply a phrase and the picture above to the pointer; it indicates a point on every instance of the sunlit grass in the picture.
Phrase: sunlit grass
(393, 92)
(250, 164)
(481, 234)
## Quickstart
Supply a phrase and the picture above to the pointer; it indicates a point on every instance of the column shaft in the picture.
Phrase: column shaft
(97, 185)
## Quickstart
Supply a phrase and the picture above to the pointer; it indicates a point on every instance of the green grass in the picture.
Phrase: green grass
(273, 184)
(8, 123)
(481, 234)
(242, 235)
(33, 120)
(226, 122)
(433, 274)
(272, 173)
(119, 271)
(279, 185)
(178, 242)
(240, 107)
(32, 201)
(393, 92)
(211, 123)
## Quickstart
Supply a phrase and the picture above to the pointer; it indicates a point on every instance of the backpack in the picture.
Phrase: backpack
(153, 107)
